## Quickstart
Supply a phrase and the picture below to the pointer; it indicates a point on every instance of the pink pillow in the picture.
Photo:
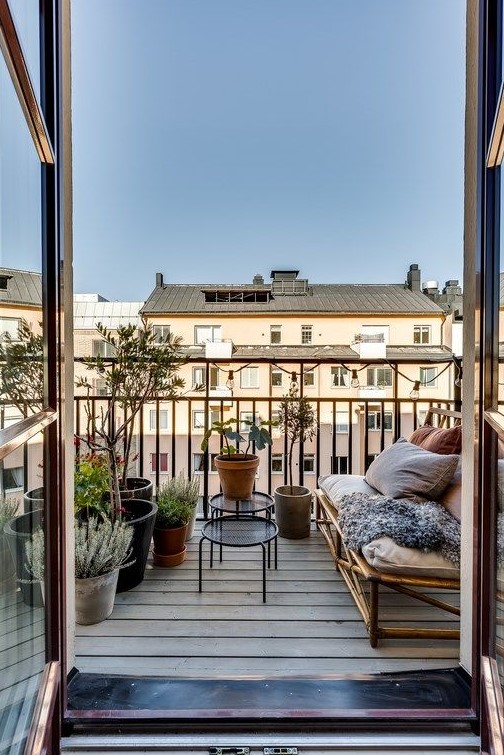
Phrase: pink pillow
(439, 440)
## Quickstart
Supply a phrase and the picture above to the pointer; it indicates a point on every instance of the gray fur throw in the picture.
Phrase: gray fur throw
(427, 526)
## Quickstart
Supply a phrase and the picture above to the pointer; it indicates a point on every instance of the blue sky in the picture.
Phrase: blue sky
(216, 139)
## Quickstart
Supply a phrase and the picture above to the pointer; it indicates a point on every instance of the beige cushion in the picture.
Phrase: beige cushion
(451, 497)
(404, 470)
(337, 485)
(386, 556)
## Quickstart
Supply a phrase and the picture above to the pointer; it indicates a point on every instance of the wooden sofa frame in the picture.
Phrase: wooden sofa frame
(364, 581)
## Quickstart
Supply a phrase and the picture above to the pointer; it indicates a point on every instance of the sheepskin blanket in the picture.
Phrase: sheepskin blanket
(426, 526)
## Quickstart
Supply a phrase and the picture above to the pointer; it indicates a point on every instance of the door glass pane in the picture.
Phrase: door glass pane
(26, 18)
(21, 372)
(22, 621)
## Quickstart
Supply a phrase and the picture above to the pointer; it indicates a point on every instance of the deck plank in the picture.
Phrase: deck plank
(309, 625)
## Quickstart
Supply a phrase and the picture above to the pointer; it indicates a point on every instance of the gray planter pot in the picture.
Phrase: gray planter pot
(293, 511)
(94, 598)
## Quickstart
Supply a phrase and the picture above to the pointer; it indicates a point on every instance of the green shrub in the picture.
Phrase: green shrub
(171, 512)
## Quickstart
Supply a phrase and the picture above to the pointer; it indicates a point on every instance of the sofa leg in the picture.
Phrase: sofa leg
(373, 614)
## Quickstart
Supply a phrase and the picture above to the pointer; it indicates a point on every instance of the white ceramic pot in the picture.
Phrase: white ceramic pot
(94, 598)
(190, 526)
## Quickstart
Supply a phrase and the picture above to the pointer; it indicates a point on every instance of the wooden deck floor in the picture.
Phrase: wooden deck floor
(309, 625)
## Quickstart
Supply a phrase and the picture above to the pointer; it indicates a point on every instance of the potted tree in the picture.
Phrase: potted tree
(170, 530)
(142, 370)
(237, 470)
(297, 421)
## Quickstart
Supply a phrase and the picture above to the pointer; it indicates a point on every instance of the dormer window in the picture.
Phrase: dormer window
(4, 279)
(236, 297)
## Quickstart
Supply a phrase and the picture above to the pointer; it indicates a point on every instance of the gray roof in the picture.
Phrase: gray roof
(23, 287)
(343, 298)
(417, 354)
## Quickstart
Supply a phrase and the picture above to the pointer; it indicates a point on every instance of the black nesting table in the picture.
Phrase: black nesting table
(239, 532)
(219, 504)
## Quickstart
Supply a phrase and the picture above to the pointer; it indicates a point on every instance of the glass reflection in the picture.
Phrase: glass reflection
(22, 624)
(26, 19)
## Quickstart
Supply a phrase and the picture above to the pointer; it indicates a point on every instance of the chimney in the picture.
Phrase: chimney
(159, 280)
(258, 280)
(413, 278)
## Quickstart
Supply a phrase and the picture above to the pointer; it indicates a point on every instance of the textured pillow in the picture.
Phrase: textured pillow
(385, 555)
(404, 470)
(440, 440)
(337, 485)
(451, 498)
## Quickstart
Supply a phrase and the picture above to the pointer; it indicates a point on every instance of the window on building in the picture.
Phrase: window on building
(101, 387)
(249, 377)
(277, 463)
(160, 333)
(199, 376)
(207, 334)
(339, 377)
(369, 459)
(428, 376)
(374, 420)
(199, 463)
(341, 422)
(276, 378)
(198, 418)
(379, 377)
(422, 334)
(163, 419)
(309, 378)
(339, 465)
(275, 334)
(102, 348)
(247, 417)
(9, 326)
(306, 334)
(309, 463)
(12, 478)
(163, 462)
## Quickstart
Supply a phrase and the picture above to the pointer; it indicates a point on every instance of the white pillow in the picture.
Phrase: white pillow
(337, 485)
(385, 555)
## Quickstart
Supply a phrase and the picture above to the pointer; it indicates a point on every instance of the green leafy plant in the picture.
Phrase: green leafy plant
(296, 420)
(91, 481)
(101, 546)
(22, 369)
(182, 489)
(143, 369)
(257, 434)
(171, 512)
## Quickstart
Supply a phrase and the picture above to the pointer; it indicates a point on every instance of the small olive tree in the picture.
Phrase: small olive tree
(144, 368)
(296, 420)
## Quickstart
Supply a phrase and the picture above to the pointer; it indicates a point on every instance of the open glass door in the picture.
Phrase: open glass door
(31, 430)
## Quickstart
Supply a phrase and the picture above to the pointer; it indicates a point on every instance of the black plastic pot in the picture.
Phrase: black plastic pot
(137, 488)
(141, 516)
(17, 533)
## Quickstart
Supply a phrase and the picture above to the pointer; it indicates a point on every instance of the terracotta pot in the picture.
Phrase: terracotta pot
(169, 546)
(237, 475)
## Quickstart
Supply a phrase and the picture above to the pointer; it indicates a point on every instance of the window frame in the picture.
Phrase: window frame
(275, 330)
(421, 330)
(244, 382)
(306, 335)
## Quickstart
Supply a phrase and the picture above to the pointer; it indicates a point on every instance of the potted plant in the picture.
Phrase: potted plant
(172, 518)
(142, 370)
(237, 470)
(297, 421)
(101, 549)
(183, 489)
(8, 510)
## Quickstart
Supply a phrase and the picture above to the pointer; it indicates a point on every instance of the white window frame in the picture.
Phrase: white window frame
(277, 373)
(160, 333)
(306, 334)
(309, 458)
(100, 387)
(198, 418)
(340, 377)
(17, 475)
(163, 420)
(159, 456)
(372, 377)
(337, 465)
(207, 334)
(375, 416)
(198, 463)
(342, 422)
(10, 326)
(430, 374)
(199, 377)
(249, 377)
(279, 460)
(102, 348)
(311, 374)
(277, 330)
(424, 333)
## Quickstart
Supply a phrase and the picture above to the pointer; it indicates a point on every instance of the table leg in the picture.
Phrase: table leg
(276, 552)
(200, 553)
(264, 571)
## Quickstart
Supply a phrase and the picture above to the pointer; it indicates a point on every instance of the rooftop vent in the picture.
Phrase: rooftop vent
(413, 278)
(287, 283)
(430, 286)
(284, 275)
(258, 280)
(159, 280)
